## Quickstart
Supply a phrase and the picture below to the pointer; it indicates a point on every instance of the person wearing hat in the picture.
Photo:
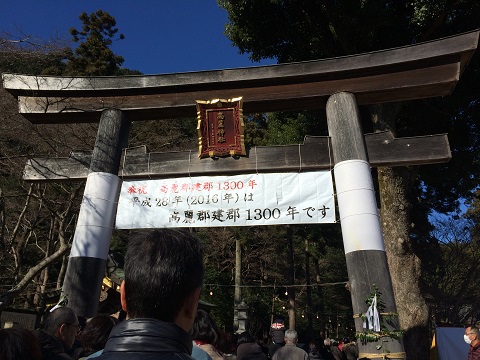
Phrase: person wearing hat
(277, 335)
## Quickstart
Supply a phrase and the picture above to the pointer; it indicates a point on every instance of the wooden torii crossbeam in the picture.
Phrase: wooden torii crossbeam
(314, 154)
(412, 72)
(339, 85)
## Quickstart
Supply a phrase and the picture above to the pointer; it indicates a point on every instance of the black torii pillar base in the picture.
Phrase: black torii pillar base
(362, 235)
(86, 266)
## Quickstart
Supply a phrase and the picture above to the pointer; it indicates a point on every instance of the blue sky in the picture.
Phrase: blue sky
(162, 36)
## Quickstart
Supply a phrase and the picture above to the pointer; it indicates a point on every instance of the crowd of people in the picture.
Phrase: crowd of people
(164, 273)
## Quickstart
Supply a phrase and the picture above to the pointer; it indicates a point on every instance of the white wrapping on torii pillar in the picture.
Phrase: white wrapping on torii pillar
(357, 206)
(96, 217)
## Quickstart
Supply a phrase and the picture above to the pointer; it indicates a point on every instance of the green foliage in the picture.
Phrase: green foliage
(291, 128)
(473, 215)
(316, 29)
(119, 241)
(283, 128)
(319, 28)
(452, 268)
(93, 56)
(255, 130)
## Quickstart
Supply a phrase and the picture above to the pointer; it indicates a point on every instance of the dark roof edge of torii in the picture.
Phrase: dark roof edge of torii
(411, 72)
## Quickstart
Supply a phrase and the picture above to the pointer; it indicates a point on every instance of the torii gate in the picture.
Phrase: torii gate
(339, 84)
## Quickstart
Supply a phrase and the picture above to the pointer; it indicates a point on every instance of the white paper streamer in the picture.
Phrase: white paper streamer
(372, 318)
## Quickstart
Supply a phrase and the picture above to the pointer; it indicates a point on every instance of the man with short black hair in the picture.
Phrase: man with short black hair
(163, 276)
(290, 351)
(58, 334)
(471, 337)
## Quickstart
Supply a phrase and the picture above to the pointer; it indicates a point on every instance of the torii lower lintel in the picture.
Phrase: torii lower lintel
(315, 154)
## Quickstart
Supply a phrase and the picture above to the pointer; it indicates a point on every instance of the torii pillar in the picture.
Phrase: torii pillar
(365, 254)
(88, 256)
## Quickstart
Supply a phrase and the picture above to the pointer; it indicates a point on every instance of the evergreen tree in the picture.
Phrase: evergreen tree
(93, 56)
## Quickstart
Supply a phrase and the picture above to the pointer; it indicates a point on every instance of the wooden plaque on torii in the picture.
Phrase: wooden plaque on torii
(220, 127)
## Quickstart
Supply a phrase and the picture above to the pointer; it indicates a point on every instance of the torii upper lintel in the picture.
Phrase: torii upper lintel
(416, 71)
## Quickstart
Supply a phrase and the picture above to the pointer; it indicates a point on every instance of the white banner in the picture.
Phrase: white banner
(240, 200)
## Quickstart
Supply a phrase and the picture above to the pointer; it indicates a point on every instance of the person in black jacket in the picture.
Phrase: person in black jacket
(19, 343)
(58, 334)
(95, 336)
(163, 275)
(248, 349)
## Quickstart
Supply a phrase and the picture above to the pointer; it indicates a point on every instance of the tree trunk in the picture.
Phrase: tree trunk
(61, 273)
(309, 291)
(291, 277)
(237, 299)
(2, 221)
(405, 266)
(321, 301)
(44, 283)
(36, 296)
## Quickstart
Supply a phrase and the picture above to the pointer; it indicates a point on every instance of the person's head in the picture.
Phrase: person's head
(471, 335)
(163, 276)
(327, 342)
(291, 337)
(19, 343)
(204, 328)
(313, 346)
(63, 324)
(245, 337)
(278, 319)
(96, 332)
